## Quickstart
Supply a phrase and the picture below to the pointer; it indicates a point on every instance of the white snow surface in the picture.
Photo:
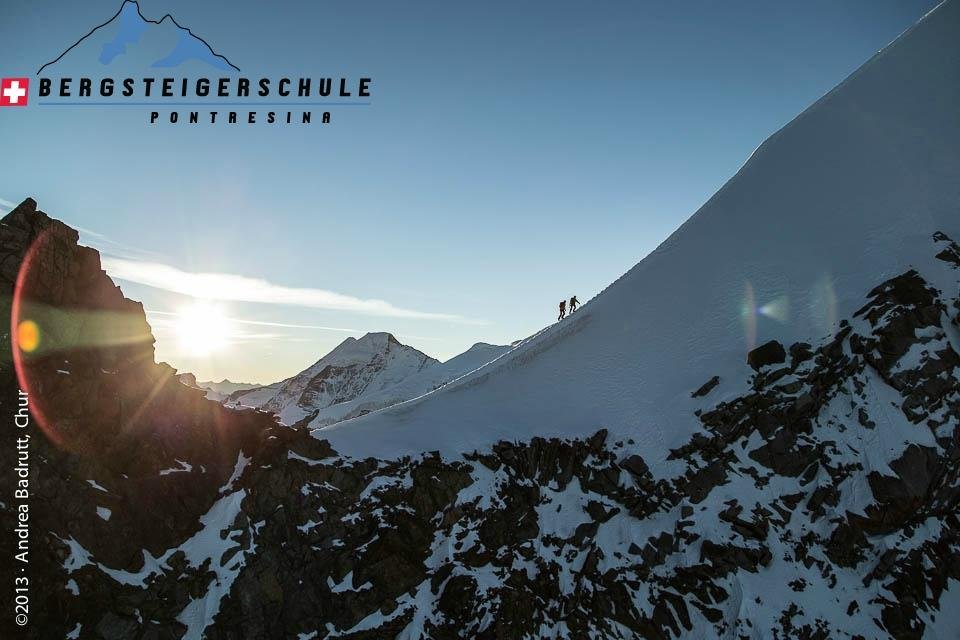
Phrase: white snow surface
(93, 483)
(843, 197)
(183, 467)
(255, 398)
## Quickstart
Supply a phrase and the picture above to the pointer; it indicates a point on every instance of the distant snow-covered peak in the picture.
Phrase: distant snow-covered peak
(356, 367)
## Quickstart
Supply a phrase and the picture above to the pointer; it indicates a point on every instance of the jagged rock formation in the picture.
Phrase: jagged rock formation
(820, 503)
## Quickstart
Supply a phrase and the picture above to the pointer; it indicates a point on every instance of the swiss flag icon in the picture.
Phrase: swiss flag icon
(14, 92)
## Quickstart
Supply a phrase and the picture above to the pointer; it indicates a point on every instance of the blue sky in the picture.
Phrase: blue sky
(514, 154)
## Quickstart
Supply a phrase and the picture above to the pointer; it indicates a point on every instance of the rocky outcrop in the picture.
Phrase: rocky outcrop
(766, 354)
(706, 387)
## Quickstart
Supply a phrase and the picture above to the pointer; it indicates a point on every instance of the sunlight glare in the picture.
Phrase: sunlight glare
(202, 329)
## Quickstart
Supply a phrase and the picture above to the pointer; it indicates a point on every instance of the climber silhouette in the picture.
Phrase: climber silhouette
(573, 304)
(563, 310)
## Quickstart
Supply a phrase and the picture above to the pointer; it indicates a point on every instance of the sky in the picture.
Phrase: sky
(511, 155)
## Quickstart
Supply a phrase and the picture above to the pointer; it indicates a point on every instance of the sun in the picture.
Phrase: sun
(202, 329)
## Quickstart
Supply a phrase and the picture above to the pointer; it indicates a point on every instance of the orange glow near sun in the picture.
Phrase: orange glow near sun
(28, 336)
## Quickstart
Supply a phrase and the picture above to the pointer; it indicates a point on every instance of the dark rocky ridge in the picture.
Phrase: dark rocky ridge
(546, 538)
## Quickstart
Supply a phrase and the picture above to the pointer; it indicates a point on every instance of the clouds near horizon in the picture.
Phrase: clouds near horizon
(239, 288)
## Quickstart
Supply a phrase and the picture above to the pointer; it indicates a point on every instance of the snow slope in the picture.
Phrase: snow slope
(842, 197)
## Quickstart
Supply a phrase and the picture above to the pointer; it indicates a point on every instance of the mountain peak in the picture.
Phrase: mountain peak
(379, 337)
(27, 216)
(28, 205)
(363, 349)
(356, 367)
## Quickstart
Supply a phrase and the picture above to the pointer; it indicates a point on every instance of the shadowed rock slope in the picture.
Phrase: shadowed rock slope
(123, 459)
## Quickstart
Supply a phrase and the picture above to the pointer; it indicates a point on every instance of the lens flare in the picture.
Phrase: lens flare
(748, 314)
(28, 336)
(46, 333)
(778, 309)
(823, 305)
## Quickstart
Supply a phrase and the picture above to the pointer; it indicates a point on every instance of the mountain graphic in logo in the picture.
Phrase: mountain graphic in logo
(131, 37)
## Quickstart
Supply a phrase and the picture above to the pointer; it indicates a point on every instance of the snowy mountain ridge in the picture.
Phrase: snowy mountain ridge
(431, 377)
(218, 391)
(819, 502)
(360, 375)
(848, 192)
(355, 367)
(226, 387)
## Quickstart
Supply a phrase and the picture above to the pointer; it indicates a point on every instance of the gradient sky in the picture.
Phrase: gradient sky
(514, 154)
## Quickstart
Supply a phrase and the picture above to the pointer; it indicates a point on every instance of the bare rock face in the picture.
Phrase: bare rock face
(706, 388)
(768, 353)
(162, 515)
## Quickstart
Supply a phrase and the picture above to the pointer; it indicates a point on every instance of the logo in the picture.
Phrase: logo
(132, 27)
(14, 92)
(133, 61)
